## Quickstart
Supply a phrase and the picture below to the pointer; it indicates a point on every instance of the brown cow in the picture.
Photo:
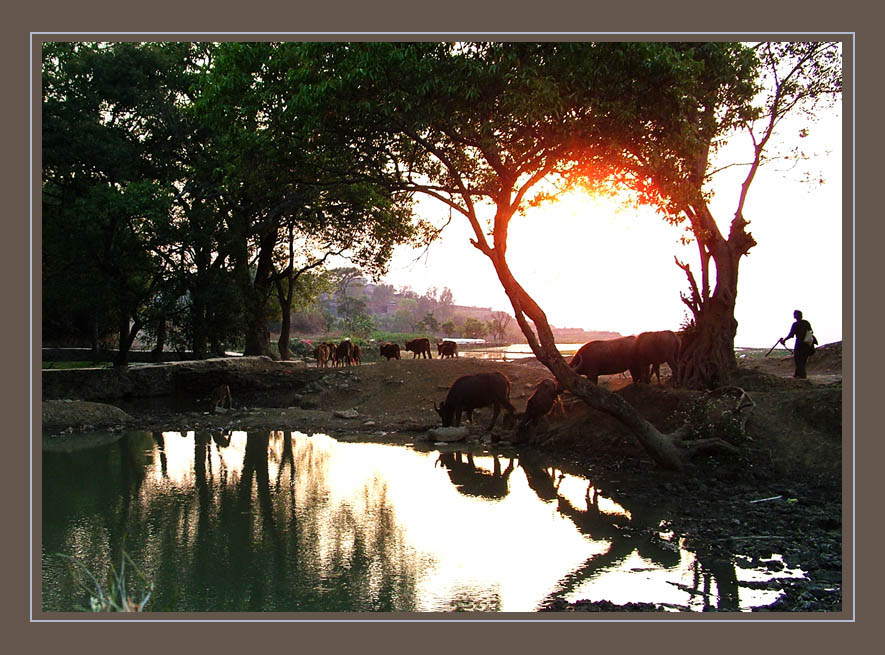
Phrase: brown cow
(357, 354)
(542, 400)
(220, 396)
(471, 392)
(344, 353)
(333, 353)
(447, 349)
(655, 348)
(418, 347)
(321, 354)
(390, 351)
(607, 357)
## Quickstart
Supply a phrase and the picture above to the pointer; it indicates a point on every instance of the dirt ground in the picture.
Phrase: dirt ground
(790, 449)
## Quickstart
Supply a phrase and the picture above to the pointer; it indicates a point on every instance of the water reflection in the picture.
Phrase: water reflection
(282, 521)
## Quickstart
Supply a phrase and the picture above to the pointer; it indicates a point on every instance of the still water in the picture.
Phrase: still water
(289, 522)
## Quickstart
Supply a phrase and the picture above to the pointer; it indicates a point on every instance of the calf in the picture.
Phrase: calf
(607, 358)
(447, 349)
(542, 400)
(655, 348)
(357, 354)
(471, 392)
(390, 351)
(418, 347)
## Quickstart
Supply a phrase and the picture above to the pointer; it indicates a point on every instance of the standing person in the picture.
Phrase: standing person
(801, 350)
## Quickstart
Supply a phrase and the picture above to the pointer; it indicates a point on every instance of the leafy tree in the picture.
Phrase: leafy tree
(474, 328)
(428, 323)
(449, 328)
(109, 155)
(743, 92)
(480, 126)
(277, 169)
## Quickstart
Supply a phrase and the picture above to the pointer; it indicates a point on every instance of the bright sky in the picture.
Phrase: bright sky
(592, 264)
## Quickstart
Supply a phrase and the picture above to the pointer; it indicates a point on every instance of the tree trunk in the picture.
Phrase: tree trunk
(199, 331)
(122, 358)
(707, 360)
(157, 352)
(283, 341)
(667, 450)
(660, 447)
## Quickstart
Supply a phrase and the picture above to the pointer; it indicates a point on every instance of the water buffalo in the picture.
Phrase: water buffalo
(390, 351)
(447, 349)
(607, 358)
(542, 400)
(344, 353)
(420, 346)
(655, 348)
(471, 392)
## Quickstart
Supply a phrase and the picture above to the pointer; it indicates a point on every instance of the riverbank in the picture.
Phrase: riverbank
(780, 496)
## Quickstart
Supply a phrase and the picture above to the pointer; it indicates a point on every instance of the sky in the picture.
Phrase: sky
(596, 265)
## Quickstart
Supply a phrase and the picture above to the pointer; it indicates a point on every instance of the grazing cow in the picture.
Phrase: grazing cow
(357, 354)
(447, 349)
(220, 397)
(344, 353)
(420, 346)
(542, 400)
(471, 392)
(607, 358)
(322, 355)
(390, 351)
(655, 348)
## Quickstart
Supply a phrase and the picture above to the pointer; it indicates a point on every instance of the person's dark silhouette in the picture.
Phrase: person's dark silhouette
(801, 350)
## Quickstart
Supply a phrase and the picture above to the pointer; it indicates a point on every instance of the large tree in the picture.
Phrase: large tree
(279, 172)
(490, 128)
(774, 81)
(108, 152)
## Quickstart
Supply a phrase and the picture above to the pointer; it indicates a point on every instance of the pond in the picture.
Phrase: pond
(289, 522)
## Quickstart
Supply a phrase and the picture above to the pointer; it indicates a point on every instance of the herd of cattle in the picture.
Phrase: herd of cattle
(348, 353)
(641, 355)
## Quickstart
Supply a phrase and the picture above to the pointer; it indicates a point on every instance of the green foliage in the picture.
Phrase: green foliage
(474, 329)
(428, 323)
(449, 328)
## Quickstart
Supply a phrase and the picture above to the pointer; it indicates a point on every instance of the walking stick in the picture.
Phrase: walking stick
(781, 341)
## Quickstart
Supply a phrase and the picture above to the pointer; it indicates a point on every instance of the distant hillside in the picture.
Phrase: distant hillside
(580, 335)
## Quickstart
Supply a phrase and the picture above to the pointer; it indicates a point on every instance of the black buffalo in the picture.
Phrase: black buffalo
(607, 358)
(390, 351)
(418, 347)
(447, 349)
(542, 400)
(471, 392)
(655, 348)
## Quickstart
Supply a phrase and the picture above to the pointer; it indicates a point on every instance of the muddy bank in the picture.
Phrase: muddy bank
(191, 378)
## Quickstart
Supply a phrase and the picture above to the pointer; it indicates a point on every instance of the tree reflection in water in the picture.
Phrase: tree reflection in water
(278, 521)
